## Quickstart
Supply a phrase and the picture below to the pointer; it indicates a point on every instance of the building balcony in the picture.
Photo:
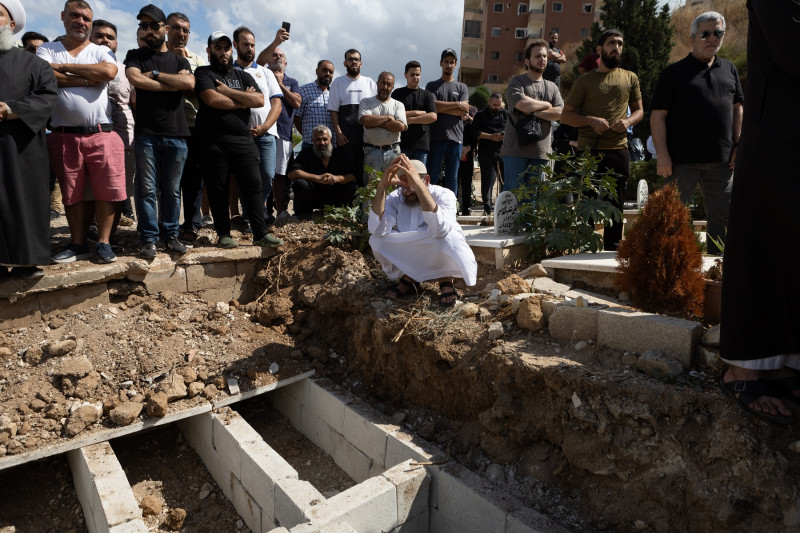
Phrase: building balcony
(473, 6)
(471, 62)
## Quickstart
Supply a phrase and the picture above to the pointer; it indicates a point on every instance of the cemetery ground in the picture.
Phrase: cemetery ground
(575, 430)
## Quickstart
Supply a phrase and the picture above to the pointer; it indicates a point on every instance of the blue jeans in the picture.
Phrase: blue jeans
(450, 152)
(159, 165)
(378, 160)
(517, 173)
(419, 155)
(266, 162)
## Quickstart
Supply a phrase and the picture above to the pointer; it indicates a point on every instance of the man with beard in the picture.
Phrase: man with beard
(321, 175)
(703, 89)
(598, 104)
(83, 145)
(160, 77)
(529, 94)
(420, 114)
(346, 94)
(415, 234)
(27, 96)
(314, 108)
(489, 126)
(223, 123)
(447, 133)
(178, 31)
(383, 119)
(555, 58)
(263, 120)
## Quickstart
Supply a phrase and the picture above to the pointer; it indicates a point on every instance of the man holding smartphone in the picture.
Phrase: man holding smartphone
(488, 126)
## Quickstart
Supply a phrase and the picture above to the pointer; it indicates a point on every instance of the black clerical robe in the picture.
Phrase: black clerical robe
(29, 88)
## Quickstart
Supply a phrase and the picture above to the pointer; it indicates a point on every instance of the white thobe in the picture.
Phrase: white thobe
(420, 244)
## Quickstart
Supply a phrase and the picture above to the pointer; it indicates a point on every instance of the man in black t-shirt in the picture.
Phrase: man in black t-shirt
(555, 58)
(488, 126)
(321, 175)
(160, 78)
(226, 96)
(420, 112)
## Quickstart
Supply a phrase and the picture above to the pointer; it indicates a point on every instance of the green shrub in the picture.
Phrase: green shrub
(559, 211)
(352, 219)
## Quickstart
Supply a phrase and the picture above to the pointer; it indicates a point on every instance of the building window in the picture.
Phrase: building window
(498, 8)
(522, 9)
(584, 33)
(492, 78)
(494, 55)
(520, 33)
(472, 28)
(518, 56)
(558, 7)
(495, 32)
(588, 8)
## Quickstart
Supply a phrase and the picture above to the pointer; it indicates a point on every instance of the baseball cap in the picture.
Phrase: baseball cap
(154, 12)
(216, 36)
(449, 52)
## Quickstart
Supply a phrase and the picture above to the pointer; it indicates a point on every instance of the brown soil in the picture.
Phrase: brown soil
(581, 435)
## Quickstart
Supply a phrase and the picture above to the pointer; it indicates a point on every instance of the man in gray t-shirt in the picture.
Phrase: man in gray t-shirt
(447, 133)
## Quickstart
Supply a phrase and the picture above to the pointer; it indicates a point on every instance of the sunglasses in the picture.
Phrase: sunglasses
(155, 26)
(718, 34)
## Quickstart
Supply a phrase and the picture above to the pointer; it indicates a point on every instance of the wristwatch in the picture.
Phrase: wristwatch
(156, 74)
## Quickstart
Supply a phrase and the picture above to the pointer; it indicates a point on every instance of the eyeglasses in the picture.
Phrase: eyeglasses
(155, 26)
(718, 34)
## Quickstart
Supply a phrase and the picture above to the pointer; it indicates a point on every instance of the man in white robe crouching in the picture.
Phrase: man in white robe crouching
(415, 235)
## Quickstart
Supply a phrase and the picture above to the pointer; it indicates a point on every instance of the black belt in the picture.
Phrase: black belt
(384, 147)
(85, 130)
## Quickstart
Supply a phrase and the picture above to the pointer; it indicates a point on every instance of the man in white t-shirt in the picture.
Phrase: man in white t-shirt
(83, 145)
(263, 120)
(346, 94)
(383, 119)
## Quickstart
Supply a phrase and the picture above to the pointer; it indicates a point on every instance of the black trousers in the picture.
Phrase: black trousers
(192, 184)
(309, 195)
(465, 169)
(618, 161)
(240, 158)
(489, 163)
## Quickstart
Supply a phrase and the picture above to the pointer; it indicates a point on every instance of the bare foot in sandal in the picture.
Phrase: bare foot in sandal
(405, 287)
(755, 394)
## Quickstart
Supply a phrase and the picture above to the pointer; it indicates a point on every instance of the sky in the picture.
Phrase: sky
(387, 38)
(387, 35)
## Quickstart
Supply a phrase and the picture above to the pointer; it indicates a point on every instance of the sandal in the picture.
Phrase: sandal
(444, 297)
(403, 288)
(750, 391)
(788, 385)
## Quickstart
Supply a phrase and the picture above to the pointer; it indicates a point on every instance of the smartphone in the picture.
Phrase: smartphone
(286, 26)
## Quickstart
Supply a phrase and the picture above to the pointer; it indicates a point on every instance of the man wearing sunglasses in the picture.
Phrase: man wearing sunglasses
(696, 123)
(160, 77)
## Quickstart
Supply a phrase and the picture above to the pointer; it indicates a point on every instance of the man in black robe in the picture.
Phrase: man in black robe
(759, 328)
(27, 96)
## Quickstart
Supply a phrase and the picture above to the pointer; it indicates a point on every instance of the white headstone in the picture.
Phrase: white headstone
(641, 194)
(505, 212)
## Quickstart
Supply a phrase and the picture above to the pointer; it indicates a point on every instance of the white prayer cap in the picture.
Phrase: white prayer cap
(419, 166)
(17, 12)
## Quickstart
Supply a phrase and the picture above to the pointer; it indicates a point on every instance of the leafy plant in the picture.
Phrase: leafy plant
(659, 259)
(352, 219)
(560, 210)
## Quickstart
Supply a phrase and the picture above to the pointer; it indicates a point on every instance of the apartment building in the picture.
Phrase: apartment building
(495, 34)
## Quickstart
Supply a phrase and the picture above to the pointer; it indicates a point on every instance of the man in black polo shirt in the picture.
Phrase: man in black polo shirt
(489, 126)
(226, 96)
(321, 175)
(420, 114)
(696, 123)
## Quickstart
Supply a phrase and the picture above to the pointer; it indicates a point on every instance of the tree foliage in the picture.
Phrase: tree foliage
(648, 41)
(480, 98)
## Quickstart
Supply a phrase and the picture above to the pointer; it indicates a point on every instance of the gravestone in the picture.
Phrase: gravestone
(641, 194)
(505, 212)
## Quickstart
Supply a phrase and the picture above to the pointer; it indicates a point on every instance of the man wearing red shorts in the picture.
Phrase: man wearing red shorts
(83, 145)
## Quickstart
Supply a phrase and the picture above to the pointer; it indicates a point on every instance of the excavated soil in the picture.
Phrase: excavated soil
(579, 434)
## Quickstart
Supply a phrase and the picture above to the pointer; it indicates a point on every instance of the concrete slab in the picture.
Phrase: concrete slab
(364, 434)
(573, 324)
(75, 299)
(262, 467)
(636, 331)
(214, 282)
(134, 526)
(349, 458)
(295, 499)
(263, 389)
(597, 262)
(368, 506)
(412, 484)
(246, 506)
(501, 251)
(418, 524)
(316, 430)
(549, 286)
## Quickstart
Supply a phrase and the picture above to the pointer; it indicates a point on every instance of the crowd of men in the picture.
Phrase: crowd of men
(165, 126)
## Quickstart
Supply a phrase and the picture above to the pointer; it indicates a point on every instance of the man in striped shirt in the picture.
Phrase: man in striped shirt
(313, 110)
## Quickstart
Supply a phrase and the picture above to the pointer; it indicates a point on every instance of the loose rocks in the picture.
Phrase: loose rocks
(157, 404)
(81, 418)
(125, 414)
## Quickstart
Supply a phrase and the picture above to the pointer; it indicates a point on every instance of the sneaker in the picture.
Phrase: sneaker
(226, 241)
(54, 214)
(268, 241)
(269, 220)
(74, 252)
(148, 250)
(27, 272)
(174, 245)
(247, 228)
(104, 253)
(125, 220)
(207, 220)
(92, 235)
(188, 235)
(283, 214)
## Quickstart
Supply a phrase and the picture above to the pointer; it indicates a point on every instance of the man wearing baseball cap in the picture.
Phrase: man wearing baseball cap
(226, 97)
(415, 234)
(447, 133)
